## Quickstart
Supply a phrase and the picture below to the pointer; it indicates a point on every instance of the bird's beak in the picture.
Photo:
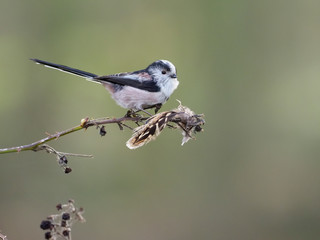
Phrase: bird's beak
(173, 75)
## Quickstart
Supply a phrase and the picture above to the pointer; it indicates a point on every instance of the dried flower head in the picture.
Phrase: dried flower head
(58, 226)
(183, 117)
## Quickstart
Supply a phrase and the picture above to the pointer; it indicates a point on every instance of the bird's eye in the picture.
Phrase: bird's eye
(163, 72)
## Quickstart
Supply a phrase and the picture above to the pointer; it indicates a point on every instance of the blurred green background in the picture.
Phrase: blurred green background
(253, 69)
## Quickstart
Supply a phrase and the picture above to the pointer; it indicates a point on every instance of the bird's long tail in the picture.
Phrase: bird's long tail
(87, 75)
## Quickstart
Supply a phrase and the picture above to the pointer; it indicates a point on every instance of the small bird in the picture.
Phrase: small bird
(138, 90)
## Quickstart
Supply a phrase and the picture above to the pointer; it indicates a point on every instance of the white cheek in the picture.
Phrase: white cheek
(169, 87)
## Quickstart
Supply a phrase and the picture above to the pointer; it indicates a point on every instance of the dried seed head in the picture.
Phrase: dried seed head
(59, 225)
(184, 118)
(145, 133)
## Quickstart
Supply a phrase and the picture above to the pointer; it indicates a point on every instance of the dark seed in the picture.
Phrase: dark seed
(47, 235)
(103, 131)
(45, 224)
(65, 233)
(65, 216)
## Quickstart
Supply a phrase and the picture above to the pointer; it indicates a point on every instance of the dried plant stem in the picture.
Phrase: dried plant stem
(85, 123)
(3, 237)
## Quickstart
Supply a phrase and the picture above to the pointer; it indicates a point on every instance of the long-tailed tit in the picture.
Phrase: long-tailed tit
(138, 90)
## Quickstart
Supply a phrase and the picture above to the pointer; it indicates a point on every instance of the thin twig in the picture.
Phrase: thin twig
(85, 123)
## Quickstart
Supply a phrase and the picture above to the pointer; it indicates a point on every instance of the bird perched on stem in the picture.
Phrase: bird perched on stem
(138, 90)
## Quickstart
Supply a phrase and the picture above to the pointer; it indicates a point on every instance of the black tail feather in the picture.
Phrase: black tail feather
(65, 69)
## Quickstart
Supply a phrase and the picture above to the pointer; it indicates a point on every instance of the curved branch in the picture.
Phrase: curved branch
(183, 117)
(85, 123)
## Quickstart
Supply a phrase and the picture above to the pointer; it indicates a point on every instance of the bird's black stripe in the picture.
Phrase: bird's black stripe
(149, 86)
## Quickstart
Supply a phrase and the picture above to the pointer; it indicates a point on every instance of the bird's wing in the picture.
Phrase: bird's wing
(132, 80)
